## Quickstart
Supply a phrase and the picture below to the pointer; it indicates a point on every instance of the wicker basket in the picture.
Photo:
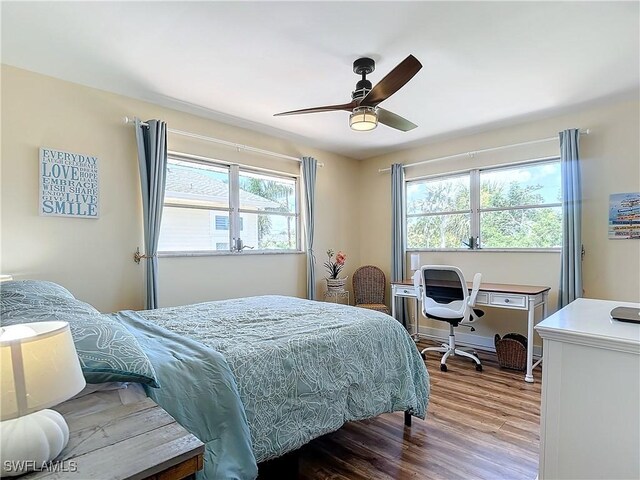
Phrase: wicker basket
(511, 351)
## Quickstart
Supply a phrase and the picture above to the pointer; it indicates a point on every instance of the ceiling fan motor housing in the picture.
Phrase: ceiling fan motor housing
(363, 66)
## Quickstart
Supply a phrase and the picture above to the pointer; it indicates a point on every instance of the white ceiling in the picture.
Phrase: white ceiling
(485, 63)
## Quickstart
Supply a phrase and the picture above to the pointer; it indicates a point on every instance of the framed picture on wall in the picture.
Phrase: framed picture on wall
(624, 215)
(68, 184)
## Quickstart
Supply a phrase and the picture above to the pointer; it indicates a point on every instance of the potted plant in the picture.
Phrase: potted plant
(334, 267)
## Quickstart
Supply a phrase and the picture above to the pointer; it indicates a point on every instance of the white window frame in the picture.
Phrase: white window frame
(474, 196)
(234, 209)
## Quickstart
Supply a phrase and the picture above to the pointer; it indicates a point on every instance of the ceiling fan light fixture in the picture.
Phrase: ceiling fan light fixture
(363, 119)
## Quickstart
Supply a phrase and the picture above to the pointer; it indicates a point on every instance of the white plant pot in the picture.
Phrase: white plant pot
(336, 284)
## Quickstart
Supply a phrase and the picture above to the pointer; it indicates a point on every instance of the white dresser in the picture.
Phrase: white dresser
(590, 414)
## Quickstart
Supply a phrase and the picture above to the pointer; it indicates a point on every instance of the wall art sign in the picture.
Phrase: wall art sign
(68, 184)
(624, 215)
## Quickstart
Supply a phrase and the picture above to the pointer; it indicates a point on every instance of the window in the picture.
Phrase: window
(196, 209)
(439, 212)
(222, 223)
(508, 207)
(208, 205)
(270, 206)
(520, 206)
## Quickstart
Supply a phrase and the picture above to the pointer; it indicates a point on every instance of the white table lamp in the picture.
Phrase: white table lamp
(39, 368)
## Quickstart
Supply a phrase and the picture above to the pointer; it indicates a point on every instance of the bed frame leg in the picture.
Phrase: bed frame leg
(407, 418)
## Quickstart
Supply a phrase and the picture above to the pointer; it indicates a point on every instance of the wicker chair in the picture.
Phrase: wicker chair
(369, 284)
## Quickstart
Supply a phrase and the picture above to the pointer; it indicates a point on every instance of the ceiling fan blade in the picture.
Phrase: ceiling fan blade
(329, 108)
(392, 120)
(393, 82)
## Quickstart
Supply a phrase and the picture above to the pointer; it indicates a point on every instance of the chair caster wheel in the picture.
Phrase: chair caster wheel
(478, 367)
(443, 367)
(423, 355)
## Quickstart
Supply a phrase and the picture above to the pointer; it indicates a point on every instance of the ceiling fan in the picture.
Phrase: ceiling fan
(365, 112)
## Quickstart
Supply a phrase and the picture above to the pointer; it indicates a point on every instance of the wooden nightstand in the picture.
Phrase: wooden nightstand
(134, 441)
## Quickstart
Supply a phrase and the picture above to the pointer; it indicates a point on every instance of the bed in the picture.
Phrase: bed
(255, 378)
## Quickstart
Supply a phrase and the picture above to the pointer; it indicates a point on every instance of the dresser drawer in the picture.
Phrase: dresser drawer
(504, 299)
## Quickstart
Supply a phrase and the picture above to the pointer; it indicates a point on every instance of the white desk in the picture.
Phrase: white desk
(515, 297)
(589, 419)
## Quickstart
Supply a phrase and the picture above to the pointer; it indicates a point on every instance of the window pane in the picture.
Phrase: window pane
(222, 222)
(522, 228)
(270, 231)
(190, 183)
(519, 186)
(259, 192)
(438, 195)
(438, 231)
(192, 229)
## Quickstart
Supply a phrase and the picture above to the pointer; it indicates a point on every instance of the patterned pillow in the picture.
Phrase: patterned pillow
(35, 297)
(108, 352)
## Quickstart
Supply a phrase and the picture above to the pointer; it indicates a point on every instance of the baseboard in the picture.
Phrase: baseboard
(466, 339)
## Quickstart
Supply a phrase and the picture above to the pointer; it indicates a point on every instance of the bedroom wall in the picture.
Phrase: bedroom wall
(610, 164)
(93, 258)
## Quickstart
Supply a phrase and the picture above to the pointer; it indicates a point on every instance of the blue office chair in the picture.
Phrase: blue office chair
(445, 297)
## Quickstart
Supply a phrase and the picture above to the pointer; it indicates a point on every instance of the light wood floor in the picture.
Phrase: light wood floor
(480, 425)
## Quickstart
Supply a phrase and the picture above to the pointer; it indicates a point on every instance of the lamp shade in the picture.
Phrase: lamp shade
(363, 119)
(39, 368)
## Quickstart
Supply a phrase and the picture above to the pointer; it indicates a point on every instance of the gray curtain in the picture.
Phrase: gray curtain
(397, 235)
(571, 266)
(309, 168)
(152, 159)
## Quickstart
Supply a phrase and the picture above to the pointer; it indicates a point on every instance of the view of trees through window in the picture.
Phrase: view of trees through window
(276, 221)
(518, 207)
(439, 212)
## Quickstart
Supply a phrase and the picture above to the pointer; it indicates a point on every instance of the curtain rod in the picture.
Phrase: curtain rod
(237, 146)
(474, 152)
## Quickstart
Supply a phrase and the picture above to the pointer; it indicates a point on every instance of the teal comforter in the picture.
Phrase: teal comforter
(302, 368)
(198, 389)
(253, 378)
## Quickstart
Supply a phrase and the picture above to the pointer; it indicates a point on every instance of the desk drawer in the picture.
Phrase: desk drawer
(482, 298)
(405, 291)
(504, 299)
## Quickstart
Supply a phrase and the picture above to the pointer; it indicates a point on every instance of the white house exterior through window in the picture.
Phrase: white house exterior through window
(208, 205)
